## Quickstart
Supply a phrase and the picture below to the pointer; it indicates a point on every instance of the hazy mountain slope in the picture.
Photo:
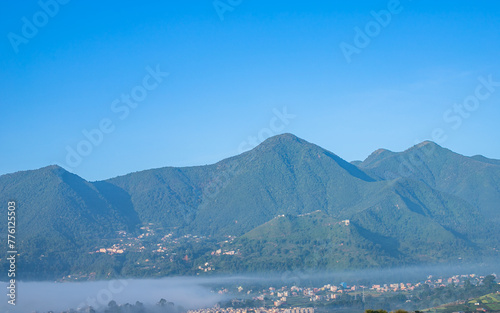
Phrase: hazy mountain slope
(398, 228)
(168, 196)
(426, 204)
(284, 175)
(477, 182)
(316, 240)
(481, 158)
(376, 157)
(56, 202)
(57, 214)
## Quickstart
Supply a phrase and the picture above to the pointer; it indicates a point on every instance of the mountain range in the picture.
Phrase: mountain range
(287, 204)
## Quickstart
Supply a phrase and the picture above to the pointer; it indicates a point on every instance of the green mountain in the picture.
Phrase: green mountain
(284, 174)
(423, 205)
(481, 158)
(311, 240)
(473, 179)
(58, 214)
(403, 227)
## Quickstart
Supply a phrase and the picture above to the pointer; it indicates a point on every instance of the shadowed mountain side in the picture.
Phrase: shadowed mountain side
(288, 145)
(284, 175)
(119, 198)
(55, 202)
(318, 241)
(59, 218)
(474, 180)
(168, 196)
(313, 240)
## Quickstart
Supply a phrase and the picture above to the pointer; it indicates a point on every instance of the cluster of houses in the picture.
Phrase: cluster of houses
(146, 241)
(254, 310)
(330, 292)
(207, 267)
(225, 252)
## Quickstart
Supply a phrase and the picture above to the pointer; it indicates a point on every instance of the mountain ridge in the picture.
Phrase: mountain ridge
(275, 139)
(441, 207)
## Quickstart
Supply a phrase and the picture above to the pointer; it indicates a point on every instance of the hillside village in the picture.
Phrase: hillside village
(253, 310)
(296, 296)
(154, 239)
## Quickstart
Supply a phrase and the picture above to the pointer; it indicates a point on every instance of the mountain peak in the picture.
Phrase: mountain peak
(282, 140)
(429, 148)
(285, 137)
(292, 149)
(376, 156)
(54, 169)
(380, 151)
(427, 143)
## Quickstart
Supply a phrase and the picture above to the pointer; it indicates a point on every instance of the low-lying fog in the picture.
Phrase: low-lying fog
(196, 292)
(45, 296)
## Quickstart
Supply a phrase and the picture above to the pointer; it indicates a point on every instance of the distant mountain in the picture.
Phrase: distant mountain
(282, 204)
(58, 213)
(284, 174)
(376, 157)
(481, 158)
(473, 179)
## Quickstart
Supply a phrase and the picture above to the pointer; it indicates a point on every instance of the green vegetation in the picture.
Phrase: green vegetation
(486, 303)
(445, 209)
(458, 298)
(414, 299)
(473, 179)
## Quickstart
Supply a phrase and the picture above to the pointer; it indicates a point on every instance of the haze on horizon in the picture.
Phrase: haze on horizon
(197, 292)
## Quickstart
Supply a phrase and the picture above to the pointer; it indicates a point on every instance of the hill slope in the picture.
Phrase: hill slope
(474, 179)
(443, 207)
(60, 215)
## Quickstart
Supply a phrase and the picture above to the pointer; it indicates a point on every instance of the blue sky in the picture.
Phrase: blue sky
(227, 78)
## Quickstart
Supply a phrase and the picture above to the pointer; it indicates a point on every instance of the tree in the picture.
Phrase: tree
(139, 307)
(468, 286)
(489, 281)
(162, 302)
(112, 307)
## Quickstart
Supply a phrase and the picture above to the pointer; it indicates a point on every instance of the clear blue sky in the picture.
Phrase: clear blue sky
(228, 76)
